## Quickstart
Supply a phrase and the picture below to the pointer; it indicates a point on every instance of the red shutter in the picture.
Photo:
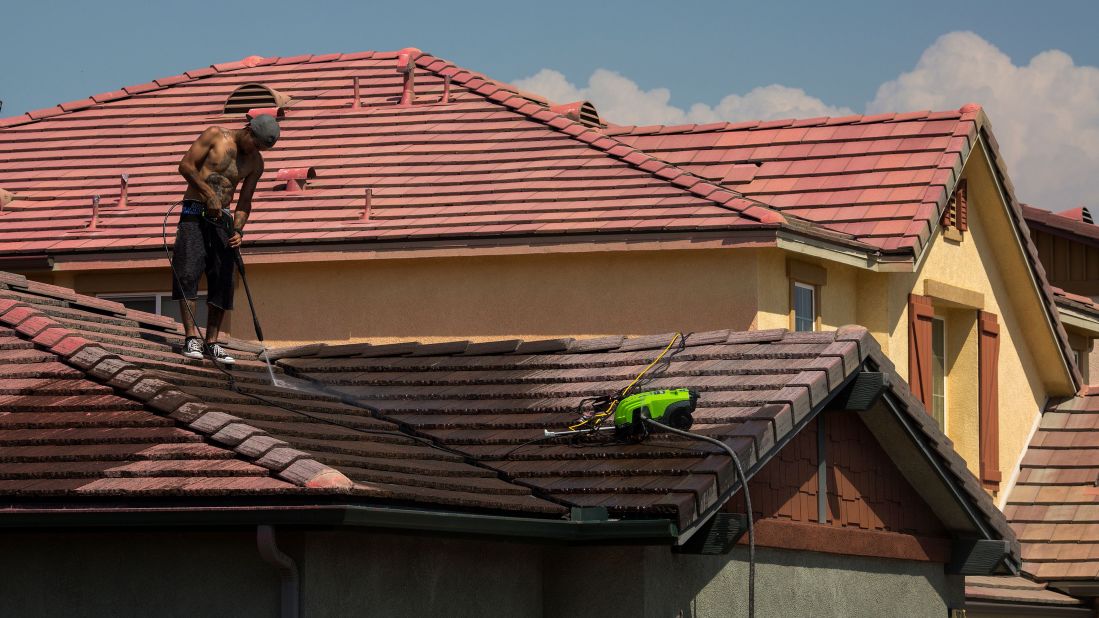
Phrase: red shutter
(989, 350)
(920, 313)
(961, 204)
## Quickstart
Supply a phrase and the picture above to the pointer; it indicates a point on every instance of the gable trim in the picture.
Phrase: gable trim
(1052, 320)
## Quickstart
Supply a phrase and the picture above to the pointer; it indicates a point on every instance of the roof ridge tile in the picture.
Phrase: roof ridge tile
(763, 214)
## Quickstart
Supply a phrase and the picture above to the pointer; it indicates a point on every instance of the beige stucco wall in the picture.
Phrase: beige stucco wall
(989, 262)
(479, 298)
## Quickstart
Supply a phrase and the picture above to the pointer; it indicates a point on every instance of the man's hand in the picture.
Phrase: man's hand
(234, 240)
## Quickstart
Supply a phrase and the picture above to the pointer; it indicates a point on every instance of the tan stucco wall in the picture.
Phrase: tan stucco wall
(478, 298)
(986, 261)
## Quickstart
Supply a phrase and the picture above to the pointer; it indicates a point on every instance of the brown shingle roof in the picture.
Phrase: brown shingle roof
(758, 389)
(473, 403)
(1016, 590)
(1054, 506)
(122, 360)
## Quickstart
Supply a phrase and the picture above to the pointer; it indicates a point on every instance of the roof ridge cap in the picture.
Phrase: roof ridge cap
(642, 160)
(752, 124)
(230, 432)
(126, 92)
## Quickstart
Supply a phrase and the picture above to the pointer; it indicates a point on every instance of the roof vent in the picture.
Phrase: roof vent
(580, 111)
(1078, 214)
(6, 198)
(296, 177)
(254, 96)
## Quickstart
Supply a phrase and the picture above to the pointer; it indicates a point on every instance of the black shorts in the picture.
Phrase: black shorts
(202, 247)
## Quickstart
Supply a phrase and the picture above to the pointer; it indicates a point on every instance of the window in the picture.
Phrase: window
(805, 307)
(938, 371)
(160, 303)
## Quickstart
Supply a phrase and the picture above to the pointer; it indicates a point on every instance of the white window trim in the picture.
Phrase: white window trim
(814, 311)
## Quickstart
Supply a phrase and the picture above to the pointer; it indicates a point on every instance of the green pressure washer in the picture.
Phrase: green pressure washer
(672, 407)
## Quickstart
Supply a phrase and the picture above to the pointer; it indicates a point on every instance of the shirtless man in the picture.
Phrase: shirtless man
(217, 161)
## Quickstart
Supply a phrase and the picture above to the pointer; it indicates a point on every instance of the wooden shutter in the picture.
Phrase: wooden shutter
(989, 350)
(920, 313)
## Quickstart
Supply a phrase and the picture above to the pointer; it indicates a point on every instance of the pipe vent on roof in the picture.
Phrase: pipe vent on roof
(254, 96)
(296, 177)
(581, 111)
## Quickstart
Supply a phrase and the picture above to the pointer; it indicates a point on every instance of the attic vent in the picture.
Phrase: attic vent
(581, 111)
(253, 96)
(1085, 215)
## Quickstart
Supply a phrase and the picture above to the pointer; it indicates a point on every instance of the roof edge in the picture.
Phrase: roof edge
(652, 531)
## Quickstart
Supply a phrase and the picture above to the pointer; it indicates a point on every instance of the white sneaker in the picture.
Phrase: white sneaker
(192, 348)
(217, 353)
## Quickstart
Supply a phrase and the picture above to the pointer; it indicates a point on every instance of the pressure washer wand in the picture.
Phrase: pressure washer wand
(248, 293)
(255, 322)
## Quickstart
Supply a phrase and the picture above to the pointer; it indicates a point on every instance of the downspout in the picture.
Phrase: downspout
(287, 568)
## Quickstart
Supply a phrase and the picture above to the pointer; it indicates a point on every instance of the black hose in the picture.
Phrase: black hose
(747, 505)
(232, 380)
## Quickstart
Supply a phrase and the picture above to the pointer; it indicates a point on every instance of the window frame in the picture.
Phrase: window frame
(159, 298)
(815, 289)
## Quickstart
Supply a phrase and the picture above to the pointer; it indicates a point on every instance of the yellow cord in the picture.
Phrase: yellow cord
(614, 402)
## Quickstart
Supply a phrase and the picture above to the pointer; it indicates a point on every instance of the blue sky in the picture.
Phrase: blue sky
(837, 54)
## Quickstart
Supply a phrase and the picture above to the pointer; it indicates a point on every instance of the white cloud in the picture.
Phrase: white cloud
(620, 100)
(1045, 114)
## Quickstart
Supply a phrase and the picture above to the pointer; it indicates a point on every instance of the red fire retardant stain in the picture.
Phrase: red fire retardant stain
(486, 149)
(813, 164)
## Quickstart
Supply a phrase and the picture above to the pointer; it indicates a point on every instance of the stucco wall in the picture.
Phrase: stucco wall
(803, 584)
(352, 573)
(988, 262)
(526, 296)
(358, 573)
(136, 574)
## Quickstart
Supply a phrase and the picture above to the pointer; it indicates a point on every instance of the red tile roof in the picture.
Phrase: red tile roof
(882, 179)
(1055, 503)
(1060, 224)
(468, 404)
(490, 163)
